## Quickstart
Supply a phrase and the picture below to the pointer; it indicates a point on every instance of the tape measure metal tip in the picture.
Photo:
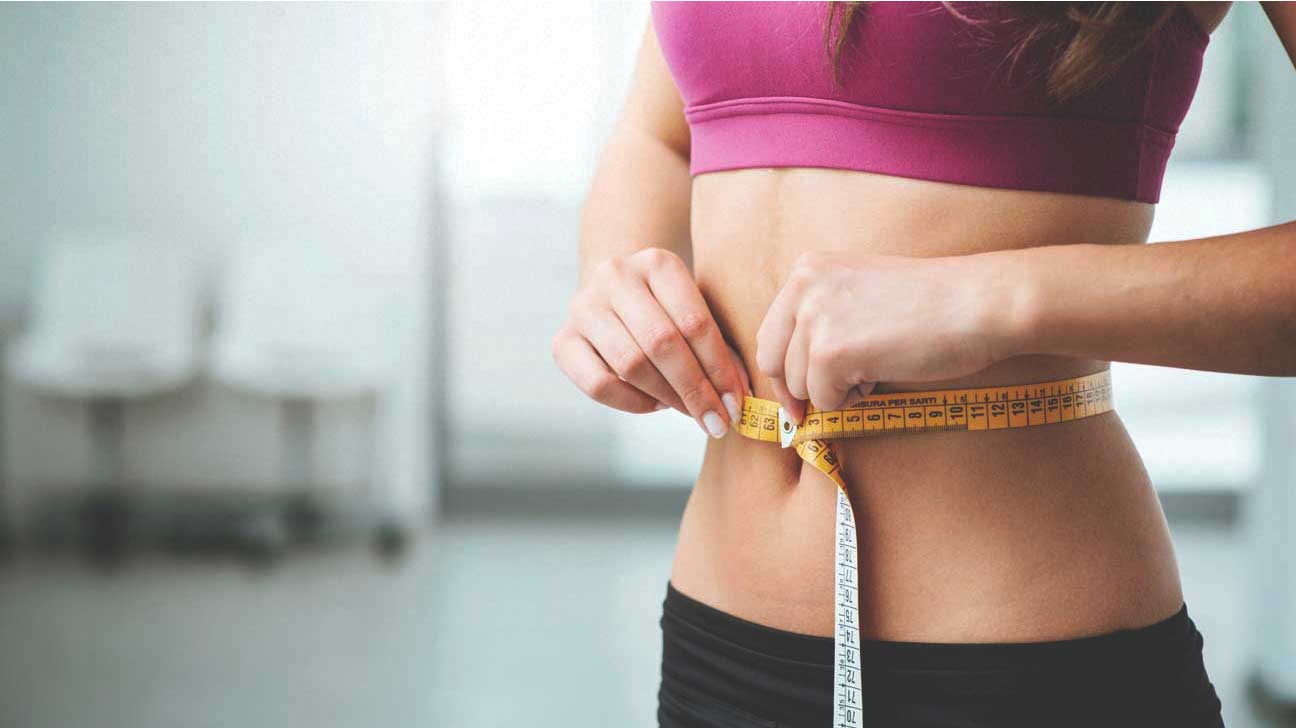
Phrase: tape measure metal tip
(787, 428)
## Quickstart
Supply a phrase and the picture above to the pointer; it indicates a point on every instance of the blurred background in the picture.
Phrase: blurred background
(282, 439)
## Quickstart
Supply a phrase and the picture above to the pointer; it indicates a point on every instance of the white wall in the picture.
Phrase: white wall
(532, 91)
(1271, 509)
(200, 125)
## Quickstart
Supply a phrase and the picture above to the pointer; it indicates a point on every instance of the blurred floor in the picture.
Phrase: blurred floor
(491, 622)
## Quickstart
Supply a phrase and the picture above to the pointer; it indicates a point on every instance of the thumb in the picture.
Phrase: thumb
(794, 407)
(742, 369)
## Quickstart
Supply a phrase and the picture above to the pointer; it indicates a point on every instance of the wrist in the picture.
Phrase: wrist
(1014, 302)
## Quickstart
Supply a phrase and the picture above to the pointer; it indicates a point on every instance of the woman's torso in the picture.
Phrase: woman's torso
(1015, 535)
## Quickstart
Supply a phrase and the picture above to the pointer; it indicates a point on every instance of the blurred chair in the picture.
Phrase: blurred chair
(113, 320)
(300, 325)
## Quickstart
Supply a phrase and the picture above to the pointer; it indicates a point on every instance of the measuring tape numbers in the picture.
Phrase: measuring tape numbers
(980, 408)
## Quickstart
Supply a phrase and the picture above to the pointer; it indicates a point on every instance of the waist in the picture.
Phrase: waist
(1009, 535)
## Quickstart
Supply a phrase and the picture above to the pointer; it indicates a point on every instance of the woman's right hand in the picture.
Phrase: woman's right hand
(639, 337)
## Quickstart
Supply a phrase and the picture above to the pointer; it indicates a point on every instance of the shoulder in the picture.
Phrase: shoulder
(1208, 14)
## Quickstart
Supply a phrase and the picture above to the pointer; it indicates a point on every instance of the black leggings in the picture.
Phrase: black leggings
(719, 670)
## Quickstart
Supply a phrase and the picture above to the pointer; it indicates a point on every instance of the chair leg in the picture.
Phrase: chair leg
(391, 535)
(105, 514)
(302, 512)
(106, 422)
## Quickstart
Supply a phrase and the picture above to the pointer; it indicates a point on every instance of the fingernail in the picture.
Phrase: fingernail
(731, 404)
(660, 406)
(714, 424)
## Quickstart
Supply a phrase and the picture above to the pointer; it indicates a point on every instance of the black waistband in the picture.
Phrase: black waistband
(1159, 638)
(716, 664)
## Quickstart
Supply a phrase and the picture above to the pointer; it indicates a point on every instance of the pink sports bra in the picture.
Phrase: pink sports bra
(922, 95)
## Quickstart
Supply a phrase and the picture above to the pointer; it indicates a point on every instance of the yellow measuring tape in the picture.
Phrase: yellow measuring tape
(981, 408)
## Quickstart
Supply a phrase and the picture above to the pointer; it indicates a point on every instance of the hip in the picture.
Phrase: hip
(720, 670)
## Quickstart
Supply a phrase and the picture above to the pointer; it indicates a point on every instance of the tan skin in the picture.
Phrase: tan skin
(1023, 535)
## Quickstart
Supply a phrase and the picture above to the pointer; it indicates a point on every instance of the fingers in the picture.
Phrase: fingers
(667, 348)
(794, 407)
(859, 392)
(642, 321)
(829, 370)
(777, 353)
(678, 294)
(608, 335)
(826, 383)
(587, 370)
(668, 351)
(775, 332)
(742, 371)
(795, 364)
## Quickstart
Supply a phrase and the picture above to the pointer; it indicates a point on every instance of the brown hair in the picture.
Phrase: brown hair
(1098, 36)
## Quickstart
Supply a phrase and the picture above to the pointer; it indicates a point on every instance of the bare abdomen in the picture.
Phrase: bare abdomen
(998, 536)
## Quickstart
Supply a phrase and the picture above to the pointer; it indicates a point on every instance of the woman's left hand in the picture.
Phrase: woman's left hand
(844, 321)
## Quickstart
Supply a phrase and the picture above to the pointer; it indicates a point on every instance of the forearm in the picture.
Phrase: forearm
(1223, 304)
(639, 198)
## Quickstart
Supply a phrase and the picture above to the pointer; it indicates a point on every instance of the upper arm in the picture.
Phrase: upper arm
(653, 105)
(1282, 16)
